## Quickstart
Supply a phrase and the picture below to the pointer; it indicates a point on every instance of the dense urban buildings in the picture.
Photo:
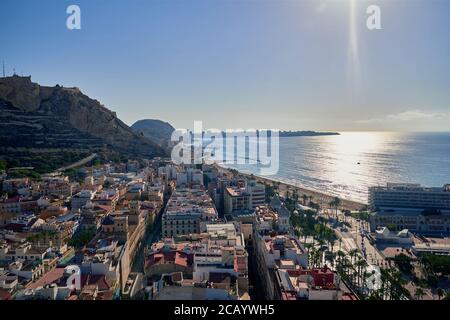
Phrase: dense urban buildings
(187, 212)
(155, 230)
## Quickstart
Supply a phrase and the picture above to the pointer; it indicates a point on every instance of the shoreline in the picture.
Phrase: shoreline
(323, 199)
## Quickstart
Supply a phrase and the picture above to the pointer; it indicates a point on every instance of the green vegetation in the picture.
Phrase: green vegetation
(74, 174)
(96, 163)
(362, 215)
(82, 238)
(41, 236)
(270, 192)
(43, 162)
(23, 173)
(335, 203)
(3, 165)
(435, 264)
(351, 266)
(403, 263)
(305, 224)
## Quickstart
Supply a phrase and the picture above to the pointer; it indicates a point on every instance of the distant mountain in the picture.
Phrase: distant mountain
(157, 130)
(306, 133)
(48, 127)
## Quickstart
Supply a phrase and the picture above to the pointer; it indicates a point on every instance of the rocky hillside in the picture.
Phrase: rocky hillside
(157, 130)
(50, 122)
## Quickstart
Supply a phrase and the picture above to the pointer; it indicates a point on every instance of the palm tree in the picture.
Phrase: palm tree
(304, 198)
(335, 203)
(340, 258)
(352, 253)
(396, 279)
(330, 237)
(419, 293)
(361, 265)
(385, 284)
(295, 197)
(440, 293)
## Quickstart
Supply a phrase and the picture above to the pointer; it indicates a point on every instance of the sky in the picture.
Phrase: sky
(280, 64)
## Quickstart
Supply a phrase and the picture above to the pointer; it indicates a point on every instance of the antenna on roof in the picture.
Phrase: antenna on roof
(3, 68)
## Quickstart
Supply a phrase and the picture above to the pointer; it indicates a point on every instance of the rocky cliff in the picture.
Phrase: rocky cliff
(43, 120)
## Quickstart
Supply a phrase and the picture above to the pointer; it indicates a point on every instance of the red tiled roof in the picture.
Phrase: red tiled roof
(5, 295)
(53, 276)
(288, 295)
(174, 257)
(240, 263)
(103, 207)
(322, 277)
(96, 280)
(348, 296)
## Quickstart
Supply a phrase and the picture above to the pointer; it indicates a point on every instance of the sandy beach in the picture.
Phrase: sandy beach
(322, 199)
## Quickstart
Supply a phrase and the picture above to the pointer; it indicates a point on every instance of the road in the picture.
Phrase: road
(78, 163)
(151, 236)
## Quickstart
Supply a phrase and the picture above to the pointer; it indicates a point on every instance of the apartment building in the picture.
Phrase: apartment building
(236, 199)
(185, 210)
(189, 177)
(216, 257)
(308, 284)
(241, 198)
(412, 196)
(81, 199)
(257, 192)
(410, 206)
(277, 252)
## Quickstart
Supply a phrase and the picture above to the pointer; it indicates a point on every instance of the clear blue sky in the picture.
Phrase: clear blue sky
(243, 63)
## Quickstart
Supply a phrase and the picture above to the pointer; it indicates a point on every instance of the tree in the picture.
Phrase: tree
(403, 263)
(304, 198)
(353, 253)
(361, 266)
(3, 165)
(440, 293)
(295, 197)
(419, 293)
(340, 258)
(335, 203)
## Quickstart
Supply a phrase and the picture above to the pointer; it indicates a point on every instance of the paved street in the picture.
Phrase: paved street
(152, 236)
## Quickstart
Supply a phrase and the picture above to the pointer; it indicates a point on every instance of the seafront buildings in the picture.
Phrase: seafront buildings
(410, 206)
(163, 231)
(243, 196)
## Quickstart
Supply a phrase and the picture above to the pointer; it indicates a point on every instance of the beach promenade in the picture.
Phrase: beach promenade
(321, 198)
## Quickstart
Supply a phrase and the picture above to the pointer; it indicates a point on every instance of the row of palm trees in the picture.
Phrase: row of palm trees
(351, 266)
(335, 204)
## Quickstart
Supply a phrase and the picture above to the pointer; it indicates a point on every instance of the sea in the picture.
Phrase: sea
(346, 165)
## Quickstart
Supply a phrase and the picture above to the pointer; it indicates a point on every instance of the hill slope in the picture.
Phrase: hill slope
(60, 125)
(157, 130)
